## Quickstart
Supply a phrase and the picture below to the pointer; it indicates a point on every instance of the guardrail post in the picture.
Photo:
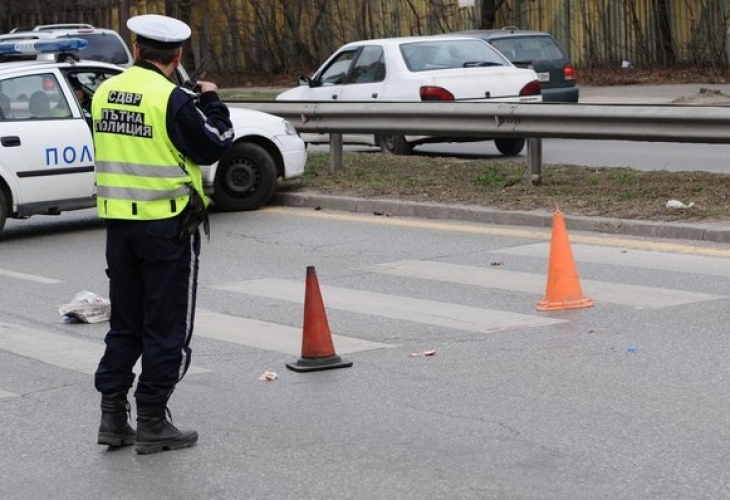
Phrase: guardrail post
(335, 152)
(534, 160)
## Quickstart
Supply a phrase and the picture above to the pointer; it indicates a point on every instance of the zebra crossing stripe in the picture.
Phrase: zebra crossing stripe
(29, 277)
(56, 349)
(643, 259)
(429, 312)
(5, 394)
(269, 336)
(600, 291)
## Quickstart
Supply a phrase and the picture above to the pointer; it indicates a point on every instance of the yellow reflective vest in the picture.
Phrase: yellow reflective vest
(140, 174)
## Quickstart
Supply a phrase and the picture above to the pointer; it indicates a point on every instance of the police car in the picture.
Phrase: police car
(47, 153)
(102, 44)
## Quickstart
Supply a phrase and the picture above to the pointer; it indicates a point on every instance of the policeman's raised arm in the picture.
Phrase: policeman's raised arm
(203, 133)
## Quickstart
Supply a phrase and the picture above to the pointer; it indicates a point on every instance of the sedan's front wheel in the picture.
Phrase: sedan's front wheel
(394, 144)
(245, 178)
(510, 146)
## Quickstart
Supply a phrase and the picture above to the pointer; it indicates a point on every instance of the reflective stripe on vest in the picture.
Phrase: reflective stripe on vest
(140, 174)
(116, 167)
(131, 194)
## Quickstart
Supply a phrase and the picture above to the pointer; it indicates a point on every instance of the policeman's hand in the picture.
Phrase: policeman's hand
(204, 87)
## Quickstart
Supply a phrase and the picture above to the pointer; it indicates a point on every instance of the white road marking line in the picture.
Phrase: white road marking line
(269, 336)
(661, 261)
(393, 306)
(56, 349)
(497, 230)
(6, 394)
(29, 277)
(631, 295)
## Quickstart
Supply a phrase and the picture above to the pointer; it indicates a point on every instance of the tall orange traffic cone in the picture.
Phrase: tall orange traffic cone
(563, 287)
(318, 351)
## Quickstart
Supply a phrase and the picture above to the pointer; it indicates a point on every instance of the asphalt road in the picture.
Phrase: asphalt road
(626, 399)
(623, 400)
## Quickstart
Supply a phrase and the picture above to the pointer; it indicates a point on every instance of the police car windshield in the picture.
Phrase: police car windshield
(103, 48)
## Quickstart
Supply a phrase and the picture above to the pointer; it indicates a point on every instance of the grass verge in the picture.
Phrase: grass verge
(606, 192)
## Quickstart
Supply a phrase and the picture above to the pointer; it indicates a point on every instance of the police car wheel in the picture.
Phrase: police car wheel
(3, 209)
(245, 178)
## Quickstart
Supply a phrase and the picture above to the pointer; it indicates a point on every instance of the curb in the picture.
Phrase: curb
(716, 232)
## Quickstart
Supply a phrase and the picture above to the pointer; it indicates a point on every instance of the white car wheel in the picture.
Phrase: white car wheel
(245, 178)
(394, 144)
(510, 146)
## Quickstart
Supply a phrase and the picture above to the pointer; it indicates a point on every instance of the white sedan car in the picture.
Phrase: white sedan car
(426, 68)
(47, 153)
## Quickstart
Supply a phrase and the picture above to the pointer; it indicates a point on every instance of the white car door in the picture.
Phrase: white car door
(329, 83)
(46, 149)
(367, 77)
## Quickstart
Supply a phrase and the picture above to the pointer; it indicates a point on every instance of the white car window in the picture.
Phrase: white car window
(336, 72)
(369, 66)
(5, 107)
(448, 54)
(91, 78)
(33, 97)
(84, 82)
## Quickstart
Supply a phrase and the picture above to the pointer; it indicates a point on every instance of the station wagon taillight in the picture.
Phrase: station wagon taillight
(532, 88)
(435, 94)
(569, 73)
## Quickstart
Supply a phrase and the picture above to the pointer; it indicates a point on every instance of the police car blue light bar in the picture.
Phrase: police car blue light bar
(55, 46)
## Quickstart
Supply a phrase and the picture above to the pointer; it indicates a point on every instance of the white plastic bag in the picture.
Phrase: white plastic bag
(86, 307)
(679, 204)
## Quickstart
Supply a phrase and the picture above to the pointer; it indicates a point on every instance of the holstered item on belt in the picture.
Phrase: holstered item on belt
(193, 216)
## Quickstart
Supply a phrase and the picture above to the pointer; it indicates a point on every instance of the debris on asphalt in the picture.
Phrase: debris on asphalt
(268, 376)
(86, 307)
(431, 352)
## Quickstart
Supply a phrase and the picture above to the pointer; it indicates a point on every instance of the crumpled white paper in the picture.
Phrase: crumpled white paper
(679, 204)
(86, 307)
(268, 376)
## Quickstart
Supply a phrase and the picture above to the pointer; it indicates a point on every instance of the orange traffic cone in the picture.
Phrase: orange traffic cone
(318, 351)
(563, 288)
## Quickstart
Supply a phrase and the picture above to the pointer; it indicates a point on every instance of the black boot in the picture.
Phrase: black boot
(114, 429)
(156, 433)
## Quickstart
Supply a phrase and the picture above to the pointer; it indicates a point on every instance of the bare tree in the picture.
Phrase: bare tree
(488, 13)
(664, 42)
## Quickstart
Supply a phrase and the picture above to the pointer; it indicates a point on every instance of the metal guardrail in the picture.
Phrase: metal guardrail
(658, 123)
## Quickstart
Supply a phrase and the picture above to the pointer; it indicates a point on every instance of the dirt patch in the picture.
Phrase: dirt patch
(705, 97)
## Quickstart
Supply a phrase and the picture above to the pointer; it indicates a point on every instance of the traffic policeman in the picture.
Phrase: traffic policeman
(150, 136)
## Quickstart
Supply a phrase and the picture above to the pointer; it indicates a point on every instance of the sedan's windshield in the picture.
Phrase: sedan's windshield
(447, 54)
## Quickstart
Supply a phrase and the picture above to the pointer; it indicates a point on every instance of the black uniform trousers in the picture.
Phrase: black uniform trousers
(153, 277)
